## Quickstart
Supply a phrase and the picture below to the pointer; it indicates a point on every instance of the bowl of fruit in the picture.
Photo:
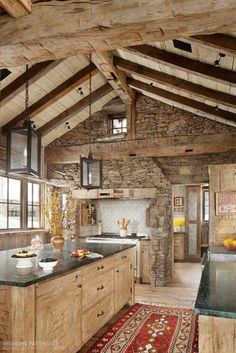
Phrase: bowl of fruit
(230, 243)
(48, 263)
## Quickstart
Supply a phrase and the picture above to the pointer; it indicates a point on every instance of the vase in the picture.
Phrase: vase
(123, 232)
(57, 242)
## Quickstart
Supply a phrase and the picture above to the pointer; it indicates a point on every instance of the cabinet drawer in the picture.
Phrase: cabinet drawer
(97, 269)
(96, 317)
(124, 256)
(99, 288)
(56, 286)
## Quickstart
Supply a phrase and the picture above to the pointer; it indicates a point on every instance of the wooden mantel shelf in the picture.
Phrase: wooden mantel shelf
(132, 193)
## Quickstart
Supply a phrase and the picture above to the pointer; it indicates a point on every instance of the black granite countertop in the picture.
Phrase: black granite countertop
(9, 274)
(217, 290)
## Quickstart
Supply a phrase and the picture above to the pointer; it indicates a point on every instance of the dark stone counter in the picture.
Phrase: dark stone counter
(217, 290)
(9, 274)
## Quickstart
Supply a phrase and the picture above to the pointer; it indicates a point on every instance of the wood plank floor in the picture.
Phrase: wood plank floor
(181, 291)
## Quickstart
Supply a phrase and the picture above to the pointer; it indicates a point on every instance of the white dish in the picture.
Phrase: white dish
(48, 266)
(24, 263)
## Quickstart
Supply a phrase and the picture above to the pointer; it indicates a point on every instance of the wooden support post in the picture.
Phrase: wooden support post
(131, 121)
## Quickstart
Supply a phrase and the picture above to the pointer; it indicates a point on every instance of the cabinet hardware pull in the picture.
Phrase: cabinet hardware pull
(99, 288)
(117, 271)
(100, 314)
(79, 285)
(100, 267)
(124, 257)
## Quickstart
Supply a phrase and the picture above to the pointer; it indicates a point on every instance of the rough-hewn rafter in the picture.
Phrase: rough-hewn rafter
(74, 109)
(202, 109)
(74, 81)
(57, 29)
(187, 65)
(18, 85)
(175, 82)
(152, 147)
(117, 79)
(221, 42)
(17, 8)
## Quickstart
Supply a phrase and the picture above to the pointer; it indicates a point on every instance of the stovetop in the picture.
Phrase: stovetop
(117, 236)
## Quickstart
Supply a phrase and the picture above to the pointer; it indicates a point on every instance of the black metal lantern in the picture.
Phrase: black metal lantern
(90, 172)
(90, 169)
(23, 150)
(24, 146)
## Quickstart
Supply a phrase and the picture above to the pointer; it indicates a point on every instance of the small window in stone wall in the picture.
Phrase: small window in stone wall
(117, 125)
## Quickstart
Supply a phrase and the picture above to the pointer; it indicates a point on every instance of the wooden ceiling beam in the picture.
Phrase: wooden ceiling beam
(201, 108)
(185, 64)
(117, 79)
(175, 82)
(74, 109)
(58, 29)
(17, 8)
(18, 85)
(219, 41)
(60, 91)
(151, 147)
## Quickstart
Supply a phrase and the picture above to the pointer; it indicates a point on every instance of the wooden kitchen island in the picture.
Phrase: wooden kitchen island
(60, 311)
(216, 304)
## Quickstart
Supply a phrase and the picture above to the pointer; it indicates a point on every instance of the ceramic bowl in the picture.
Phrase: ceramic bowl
(48, 266)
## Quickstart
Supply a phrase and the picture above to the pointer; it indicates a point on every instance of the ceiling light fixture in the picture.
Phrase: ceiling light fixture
(24, 144)
(217, 62)
(90, 168)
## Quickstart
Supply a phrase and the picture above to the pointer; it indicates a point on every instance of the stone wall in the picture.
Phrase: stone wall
(135, 173)
(154, 119)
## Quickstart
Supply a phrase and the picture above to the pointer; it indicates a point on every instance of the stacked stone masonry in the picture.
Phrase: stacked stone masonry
(154, 119)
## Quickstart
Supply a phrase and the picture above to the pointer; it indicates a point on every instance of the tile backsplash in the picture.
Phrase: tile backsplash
(109, 211)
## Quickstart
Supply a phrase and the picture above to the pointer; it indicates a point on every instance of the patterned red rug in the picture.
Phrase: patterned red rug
(151, 329)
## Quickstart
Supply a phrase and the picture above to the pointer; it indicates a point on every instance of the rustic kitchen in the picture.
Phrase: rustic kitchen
(117, 176)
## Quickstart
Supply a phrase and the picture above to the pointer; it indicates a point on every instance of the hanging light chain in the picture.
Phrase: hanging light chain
(90, 99)
(27, 94)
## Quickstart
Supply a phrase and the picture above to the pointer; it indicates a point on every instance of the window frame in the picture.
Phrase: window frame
(7, 203)
(24, 204)
(32, 205)
(111, 127)
(204, 191)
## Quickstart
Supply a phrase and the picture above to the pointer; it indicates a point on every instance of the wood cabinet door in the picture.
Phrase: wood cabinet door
(123, 284)
(58, 315)
(145, 263)
(193, 223)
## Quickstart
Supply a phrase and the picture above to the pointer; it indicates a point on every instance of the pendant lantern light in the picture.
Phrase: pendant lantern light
(24, 144)
(90, 168)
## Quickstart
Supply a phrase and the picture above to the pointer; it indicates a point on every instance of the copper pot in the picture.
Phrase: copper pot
(57, 242)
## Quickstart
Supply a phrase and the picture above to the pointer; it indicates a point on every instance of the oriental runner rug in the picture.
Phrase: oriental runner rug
(151, 329)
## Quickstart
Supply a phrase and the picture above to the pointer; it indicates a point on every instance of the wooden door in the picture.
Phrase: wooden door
(193, 223)
(145, 262)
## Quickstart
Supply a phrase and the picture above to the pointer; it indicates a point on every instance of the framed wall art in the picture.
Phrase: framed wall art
(178, 201)
(225, 203)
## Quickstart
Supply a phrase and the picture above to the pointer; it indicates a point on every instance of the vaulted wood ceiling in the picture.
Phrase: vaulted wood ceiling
(140, 60)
